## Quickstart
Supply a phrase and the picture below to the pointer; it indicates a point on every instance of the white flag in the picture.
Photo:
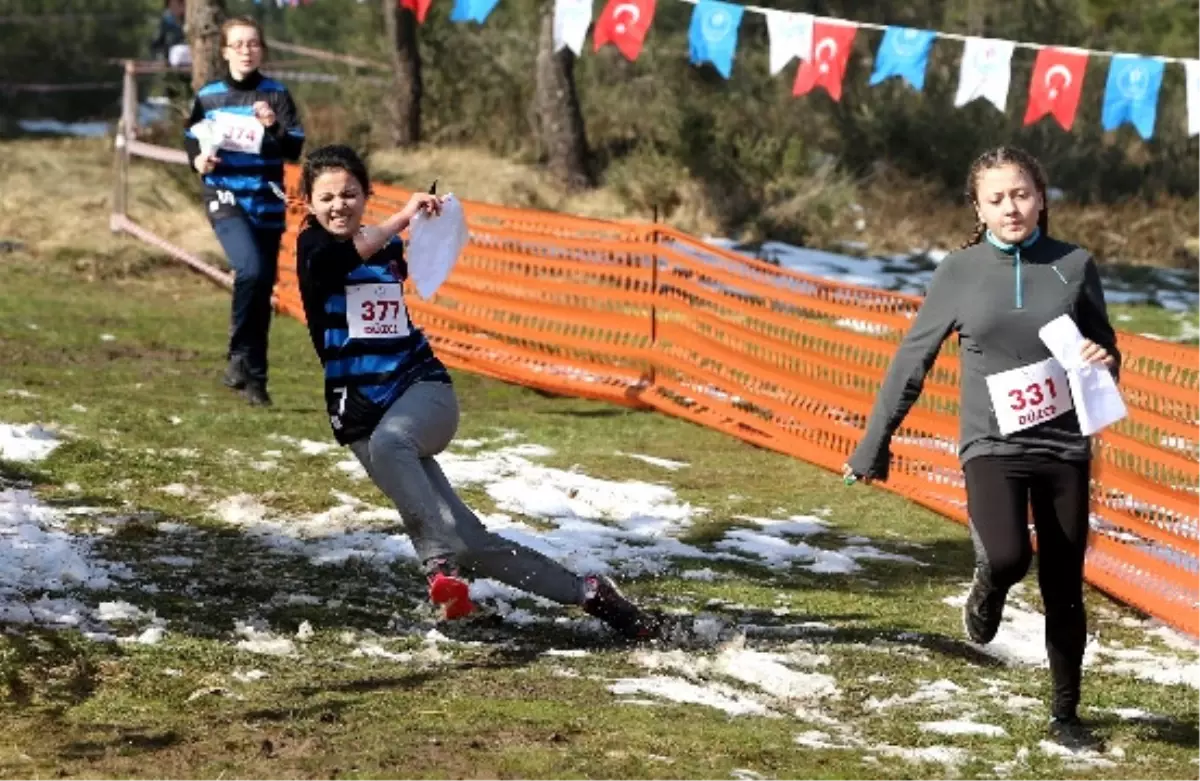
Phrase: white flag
(791, 36)
(572, 18)
(1193, 95)
(986, 71)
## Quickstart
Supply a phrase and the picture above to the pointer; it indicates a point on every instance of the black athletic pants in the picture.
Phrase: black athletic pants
(1000, 492)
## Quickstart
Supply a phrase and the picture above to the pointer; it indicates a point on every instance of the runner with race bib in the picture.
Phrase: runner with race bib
(1020, 443)
(392, 401)
(242, 129)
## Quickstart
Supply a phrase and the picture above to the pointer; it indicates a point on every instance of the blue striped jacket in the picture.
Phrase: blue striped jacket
(241, 184)
(370, 350)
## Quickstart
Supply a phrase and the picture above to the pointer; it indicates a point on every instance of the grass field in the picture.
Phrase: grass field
(192, 588)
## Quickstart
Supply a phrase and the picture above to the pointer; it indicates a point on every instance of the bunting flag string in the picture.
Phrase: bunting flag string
(822, 46)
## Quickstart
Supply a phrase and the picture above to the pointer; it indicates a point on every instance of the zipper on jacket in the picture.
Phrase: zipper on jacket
(1015, 251)
(1017, 293)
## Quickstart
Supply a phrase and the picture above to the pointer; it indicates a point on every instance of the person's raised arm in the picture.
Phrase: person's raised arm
(372, 238)
(936, 318)
(328, 259)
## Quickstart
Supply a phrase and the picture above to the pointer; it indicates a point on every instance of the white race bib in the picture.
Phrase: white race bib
(239, 132)
(1029, 395)
(376, 311)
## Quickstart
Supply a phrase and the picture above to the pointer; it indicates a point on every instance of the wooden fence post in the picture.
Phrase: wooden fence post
(126, 129)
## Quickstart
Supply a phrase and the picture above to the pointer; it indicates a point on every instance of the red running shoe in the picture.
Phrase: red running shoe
(451, 594)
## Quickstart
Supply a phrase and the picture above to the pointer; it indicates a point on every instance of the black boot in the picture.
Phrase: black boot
(235, 372)
(1071, 733)
(605, 602)
(256, 394)
(984, 608)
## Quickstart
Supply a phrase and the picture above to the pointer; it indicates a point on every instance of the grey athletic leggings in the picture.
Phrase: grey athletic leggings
(398, 455)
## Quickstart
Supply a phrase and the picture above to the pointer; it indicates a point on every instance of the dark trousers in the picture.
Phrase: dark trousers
(1000, 492)
(254, 255)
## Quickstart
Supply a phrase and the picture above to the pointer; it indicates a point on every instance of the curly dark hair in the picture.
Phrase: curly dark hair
(333, 157)
(994, 158)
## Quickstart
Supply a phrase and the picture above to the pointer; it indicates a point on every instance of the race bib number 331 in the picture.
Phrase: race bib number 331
(1029, 395)
(376, 311)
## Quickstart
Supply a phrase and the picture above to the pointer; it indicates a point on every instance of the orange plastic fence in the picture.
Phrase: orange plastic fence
(647, 316)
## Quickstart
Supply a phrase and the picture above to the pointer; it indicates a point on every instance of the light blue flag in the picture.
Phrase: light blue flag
(904, 52)
(1131, 94)
(472, 10)
(712, 36)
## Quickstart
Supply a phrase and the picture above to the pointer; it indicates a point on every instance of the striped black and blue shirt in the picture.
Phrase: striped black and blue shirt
(361, 330)
(241, 184)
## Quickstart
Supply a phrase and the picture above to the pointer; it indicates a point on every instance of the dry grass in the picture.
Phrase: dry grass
(47, 184)
(56, 197)
(478, 175)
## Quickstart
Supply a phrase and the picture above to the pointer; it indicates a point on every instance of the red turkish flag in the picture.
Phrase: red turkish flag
(1056, 85)
(826, 67)
(624, 23)
(418, 7)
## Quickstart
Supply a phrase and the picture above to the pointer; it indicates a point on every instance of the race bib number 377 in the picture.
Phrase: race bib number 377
(1029, 395)
(376, 311)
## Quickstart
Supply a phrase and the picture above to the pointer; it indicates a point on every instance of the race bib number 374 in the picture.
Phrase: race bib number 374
(239, 133)
(1029, 395)
(376, 311)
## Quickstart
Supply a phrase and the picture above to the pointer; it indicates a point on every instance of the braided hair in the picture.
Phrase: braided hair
(994, 158)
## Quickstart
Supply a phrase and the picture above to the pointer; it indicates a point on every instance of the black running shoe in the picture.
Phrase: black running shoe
(605, 602)
(984, 608)
(235, 373)
(1073, 734)
(256, 394)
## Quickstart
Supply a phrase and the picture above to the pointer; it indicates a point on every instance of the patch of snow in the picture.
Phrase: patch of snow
(1022, 641)
(1081, 758)
(944, 755)
(29, 442)
(939, 691)
(664, 463)
(40, 555)
(767, 672)
(712, 695)
(263, 641)
(249, 676)
(962, 727)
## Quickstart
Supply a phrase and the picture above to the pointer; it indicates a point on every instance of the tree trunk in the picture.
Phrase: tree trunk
(404, 99)
(560, 121)
(203, 23)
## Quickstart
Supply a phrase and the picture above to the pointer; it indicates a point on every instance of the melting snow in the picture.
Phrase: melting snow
(713, 695)
(664, 463)
(1022, 641)
(42, 561)
(628, 527)
(28, 442)
(962, 728)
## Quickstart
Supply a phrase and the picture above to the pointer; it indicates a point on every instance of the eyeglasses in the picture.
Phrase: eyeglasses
(244, 46)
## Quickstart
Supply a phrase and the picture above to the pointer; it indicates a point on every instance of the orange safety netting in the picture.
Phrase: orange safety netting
(646, 316)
